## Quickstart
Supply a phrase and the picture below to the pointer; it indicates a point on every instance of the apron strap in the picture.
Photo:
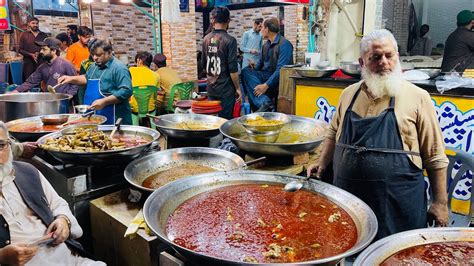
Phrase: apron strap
(353, 100)
(360, 149)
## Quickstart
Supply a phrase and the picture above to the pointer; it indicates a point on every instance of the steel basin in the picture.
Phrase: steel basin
(316, 72)
(138, 170)
(379, 251)
(310, 127)
(21, 105)
(162, 203)
(37, 120)
(104, 157)
(351, 68)
(167, 128)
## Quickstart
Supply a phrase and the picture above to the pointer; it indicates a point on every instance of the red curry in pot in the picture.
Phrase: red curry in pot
(447, 253)
(262, 223)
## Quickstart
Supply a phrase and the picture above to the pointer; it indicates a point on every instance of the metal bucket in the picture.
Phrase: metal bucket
(21, 105)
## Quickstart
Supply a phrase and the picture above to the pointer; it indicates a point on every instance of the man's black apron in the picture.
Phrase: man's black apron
(369, 162)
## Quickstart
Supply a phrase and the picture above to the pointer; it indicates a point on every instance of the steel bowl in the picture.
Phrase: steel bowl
(36, 120)
(316, 72)
(166, 125)
(351, 68)
(82, 108)
(22, 105)
(432, 72)
(162, 203)
(138, 170)
(243, 120)
(312, 128)
(379, 251)
(103, 157)
(54, 119)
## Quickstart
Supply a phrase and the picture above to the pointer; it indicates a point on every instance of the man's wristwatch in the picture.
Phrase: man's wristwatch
(67, 220)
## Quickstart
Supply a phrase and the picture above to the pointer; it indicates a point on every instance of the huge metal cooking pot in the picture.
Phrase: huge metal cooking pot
(379, 251)
(21, 105)
(162, 203)
(312, 127)
(36, 120)
(104, 157)
(138, 170)
(166, 124)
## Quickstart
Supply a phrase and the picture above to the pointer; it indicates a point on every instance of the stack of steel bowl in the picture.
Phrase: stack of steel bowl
(264, 133)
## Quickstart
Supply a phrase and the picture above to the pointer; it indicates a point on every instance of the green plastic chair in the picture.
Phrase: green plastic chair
(184, 93)
(143, 95)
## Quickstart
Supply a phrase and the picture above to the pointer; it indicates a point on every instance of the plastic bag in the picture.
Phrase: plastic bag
(451, 81)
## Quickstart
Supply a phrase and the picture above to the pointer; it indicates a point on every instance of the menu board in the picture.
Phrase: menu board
(4, 15)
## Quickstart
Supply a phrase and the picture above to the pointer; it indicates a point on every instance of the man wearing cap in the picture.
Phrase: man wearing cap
(27, 47)
(459, 48)
(50, 70)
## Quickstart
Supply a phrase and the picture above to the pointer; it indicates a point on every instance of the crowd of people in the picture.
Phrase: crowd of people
(88, 70)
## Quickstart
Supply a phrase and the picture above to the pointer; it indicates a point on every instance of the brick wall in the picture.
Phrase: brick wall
(296, 29)
(56, 24)
(179, 44)
(401, 16)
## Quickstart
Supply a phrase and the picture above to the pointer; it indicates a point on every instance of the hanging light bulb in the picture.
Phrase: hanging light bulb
(62, 2)
(126, 1)
(88, 1)
(105, 1)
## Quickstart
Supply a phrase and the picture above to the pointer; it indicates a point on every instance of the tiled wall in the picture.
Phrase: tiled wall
(56, 24)
(242, 20)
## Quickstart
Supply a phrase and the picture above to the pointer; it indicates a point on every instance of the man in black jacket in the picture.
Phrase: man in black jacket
(219, 60)
(261, 81)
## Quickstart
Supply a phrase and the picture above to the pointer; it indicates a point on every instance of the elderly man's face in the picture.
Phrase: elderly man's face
(4, 148)
(381, 58)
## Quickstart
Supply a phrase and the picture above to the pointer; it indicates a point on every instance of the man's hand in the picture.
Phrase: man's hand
(34, 56)
(65, 79)
(254, 52)
(239, 95)
(260, 89)
(17, 254)
(315, 168)
(99, 104)
(438, 213)
(60, 229)
(251, 64)
(29, 149)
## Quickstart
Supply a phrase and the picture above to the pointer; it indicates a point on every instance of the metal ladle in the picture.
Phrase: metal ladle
(53, 89)
(295, 185)
(166, 120)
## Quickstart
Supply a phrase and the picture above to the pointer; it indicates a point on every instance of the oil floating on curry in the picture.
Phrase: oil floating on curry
(262, 223)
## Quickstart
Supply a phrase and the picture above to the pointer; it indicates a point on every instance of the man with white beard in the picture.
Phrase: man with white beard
(384, 132)
(31, 209)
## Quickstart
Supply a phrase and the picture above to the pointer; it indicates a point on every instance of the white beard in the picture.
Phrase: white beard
(380, 85)
(6, 169)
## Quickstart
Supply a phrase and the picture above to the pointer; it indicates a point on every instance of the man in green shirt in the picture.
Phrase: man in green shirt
(109, 84)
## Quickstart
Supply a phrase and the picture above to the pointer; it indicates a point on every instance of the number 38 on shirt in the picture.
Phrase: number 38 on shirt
(213, 65)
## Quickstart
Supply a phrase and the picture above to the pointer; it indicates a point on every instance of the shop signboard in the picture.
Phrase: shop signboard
(184, 5)
(4, 15)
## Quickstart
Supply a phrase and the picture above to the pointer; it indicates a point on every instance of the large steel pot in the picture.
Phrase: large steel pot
(312, 127)
(138, 170)
(34, 136)
(104, 157)
(379, 251)
(21, 105)
(166, 125)
(162, 203)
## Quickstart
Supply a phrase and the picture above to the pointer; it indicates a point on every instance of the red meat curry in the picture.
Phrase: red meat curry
(262, 223)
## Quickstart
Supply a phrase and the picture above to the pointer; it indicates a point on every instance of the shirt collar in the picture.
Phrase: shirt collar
(277, 39)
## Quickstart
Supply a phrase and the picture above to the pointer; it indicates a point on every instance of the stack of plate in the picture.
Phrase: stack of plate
(206, 107)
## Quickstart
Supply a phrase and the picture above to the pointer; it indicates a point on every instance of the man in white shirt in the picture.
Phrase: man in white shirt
(31, 209)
